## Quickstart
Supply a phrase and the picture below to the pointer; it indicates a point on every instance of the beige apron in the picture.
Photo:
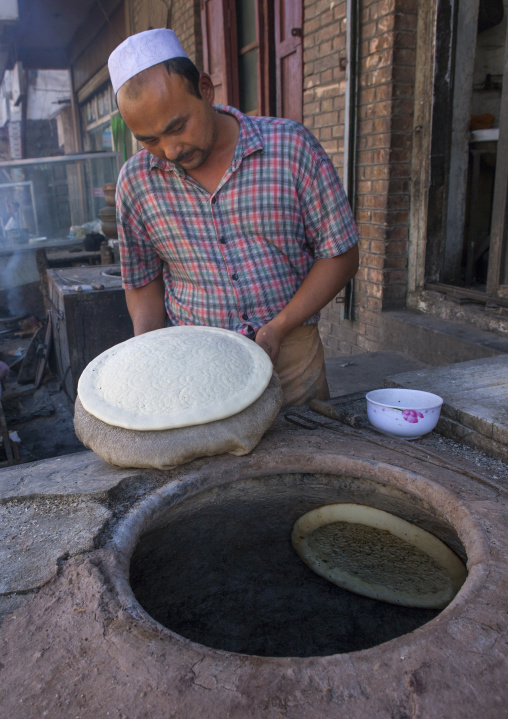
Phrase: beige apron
(301, 366)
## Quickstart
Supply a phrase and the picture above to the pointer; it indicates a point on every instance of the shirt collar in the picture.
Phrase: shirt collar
(249, 140)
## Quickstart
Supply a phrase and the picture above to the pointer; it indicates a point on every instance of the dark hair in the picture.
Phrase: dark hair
(185, 68)
(179, 66)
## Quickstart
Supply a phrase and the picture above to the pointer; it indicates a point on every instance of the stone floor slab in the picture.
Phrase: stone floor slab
(81, 473)
(475, 395)
(34, 536)
(363, 372)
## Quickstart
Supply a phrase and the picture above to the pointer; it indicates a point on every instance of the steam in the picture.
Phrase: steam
(8, 273)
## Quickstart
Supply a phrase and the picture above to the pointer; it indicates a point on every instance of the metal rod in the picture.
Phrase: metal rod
(352, 30)
(58, 159)
(349, 179)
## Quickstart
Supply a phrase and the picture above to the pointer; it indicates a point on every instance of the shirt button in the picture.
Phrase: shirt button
(245, 316)
(214, 200)
(222, 240)
(234, 276)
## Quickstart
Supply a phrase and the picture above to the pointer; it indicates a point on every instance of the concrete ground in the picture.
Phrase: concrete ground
(364, 372)
(475, 393)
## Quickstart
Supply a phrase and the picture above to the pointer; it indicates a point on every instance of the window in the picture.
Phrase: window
(96, 115)
(253, 53)
(247, 42)
(468, 197)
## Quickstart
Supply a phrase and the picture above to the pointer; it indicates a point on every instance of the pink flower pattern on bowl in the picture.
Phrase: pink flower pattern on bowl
(411, 415)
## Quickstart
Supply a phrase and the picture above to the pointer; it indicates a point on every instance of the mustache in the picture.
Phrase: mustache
(184, 156)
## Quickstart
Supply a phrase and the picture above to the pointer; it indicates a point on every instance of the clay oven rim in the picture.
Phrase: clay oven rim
(187, 483)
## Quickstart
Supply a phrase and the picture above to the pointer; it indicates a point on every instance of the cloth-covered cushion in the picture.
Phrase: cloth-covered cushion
(162, 449)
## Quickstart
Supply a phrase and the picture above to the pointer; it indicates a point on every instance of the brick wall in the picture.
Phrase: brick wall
(186, 22)
(324, 82)
(385, 119)
(182, 16)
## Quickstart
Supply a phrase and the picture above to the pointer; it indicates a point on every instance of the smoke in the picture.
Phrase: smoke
(15, 302)
(11, 282)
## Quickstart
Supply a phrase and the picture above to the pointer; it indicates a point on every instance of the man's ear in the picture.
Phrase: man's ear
(206, 87)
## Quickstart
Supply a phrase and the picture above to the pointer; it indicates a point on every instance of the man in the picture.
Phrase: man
(226, 220)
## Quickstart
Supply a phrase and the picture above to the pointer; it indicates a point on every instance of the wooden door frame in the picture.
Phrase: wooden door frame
(499, 223)
(420, 189)
(298, 43)
(264, 26)
(464, 60)
(431, 174)
(265, 64)
(228, 65)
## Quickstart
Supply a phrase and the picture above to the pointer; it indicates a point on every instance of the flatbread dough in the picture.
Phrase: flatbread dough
(378, 555)
(175, 377)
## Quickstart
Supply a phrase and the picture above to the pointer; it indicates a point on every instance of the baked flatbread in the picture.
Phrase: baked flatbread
(175, 377)
(378, 555)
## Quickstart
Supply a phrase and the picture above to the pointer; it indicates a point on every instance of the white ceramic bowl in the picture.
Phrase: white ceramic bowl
(405, 413)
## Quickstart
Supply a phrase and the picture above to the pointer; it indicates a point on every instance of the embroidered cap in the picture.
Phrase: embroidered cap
(140, 52)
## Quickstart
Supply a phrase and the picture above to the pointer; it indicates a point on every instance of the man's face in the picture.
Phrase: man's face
(168, 120)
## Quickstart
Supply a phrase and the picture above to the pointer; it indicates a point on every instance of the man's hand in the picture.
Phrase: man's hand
(325, 279)
(269, 337)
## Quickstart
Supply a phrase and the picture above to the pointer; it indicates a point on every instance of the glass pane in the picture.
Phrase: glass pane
(46, 198)
(246, 22)
(17, 212)
(100, 139)
(103, 104)
(248, 81)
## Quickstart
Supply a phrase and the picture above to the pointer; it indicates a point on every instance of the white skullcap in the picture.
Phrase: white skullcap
(141, 51)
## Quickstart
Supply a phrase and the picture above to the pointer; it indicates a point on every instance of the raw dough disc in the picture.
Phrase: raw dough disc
(378, 555)
(175, 377)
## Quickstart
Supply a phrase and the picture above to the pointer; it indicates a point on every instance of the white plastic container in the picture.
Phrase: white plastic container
(404, 413)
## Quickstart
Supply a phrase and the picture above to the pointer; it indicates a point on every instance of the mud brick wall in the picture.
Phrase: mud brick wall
(387, 50)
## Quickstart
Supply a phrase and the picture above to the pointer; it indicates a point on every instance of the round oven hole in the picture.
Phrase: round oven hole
(219, 569)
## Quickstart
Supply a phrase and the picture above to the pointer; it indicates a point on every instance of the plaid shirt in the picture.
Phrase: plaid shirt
(234, 259)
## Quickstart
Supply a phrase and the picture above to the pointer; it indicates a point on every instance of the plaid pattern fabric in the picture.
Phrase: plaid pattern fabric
(234, 259)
